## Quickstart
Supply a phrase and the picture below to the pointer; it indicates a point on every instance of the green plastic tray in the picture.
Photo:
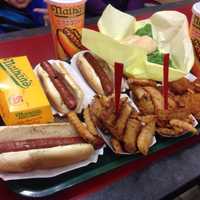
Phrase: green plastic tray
(106, 163)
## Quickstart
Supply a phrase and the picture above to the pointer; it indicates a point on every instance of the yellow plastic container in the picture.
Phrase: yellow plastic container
(22, 99)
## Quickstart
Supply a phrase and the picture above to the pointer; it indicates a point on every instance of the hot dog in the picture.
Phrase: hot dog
(31, 147)
(62, 91)
(97, 73)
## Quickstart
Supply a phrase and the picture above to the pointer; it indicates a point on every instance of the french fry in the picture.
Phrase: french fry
(122, 121)
(169, 132)
(90, 125)
(145, 137)
(96, 106)
(139, 92)
(146, 106)
(181, 86)
(80, 128)
(184, 125)
(180, 113)
(116, 145)
(141, 82)
(130, 136)
(158, 99)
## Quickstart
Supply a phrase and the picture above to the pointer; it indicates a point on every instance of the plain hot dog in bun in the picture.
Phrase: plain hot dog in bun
(62, 91)
(97, 73)
(30, 147)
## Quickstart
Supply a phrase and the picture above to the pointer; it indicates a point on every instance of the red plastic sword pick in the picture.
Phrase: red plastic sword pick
(118, 81)
(165, 79)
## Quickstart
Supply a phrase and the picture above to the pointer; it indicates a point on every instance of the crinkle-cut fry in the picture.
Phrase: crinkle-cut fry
(90, 125)
(80, 128)
(122, 121)
(130, 136)
(116, 145)
(145, 137)
(142, 82)
(182, 124)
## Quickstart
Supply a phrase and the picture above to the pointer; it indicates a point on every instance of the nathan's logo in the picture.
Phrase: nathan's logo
(68, 12)
(18, 77)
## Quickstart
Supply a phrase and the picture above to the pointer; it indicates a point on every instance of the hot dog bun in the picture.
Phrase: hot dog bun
(42, 158)
(97, 73)
(46, 158)
(53, 94)
(89, 75)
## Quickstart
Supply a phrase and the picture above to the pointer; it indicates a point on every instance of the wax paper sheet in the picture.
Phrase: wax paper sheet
(170, 31)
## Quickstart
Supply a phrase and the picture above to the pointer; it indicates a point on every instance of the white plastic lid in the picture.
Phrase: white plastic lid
(65, 1)
(196, 8)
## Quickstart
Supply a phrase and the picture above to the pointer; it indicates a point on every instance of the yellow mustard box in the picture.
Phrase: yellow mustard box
(22, 99)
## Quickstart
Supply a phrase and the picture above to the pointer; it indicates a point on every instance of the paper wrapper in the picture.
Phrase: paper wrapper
(73, 61)
(51, 172)
(170, 31)
(115, 30)
(107, 138)
(87, 91)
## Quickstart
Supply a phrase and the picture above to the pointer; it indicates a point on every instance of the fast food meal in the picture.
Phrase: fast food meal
(60, 87)
(30, 147)
(127, 130)
(177, 119)
(97, 73)
(134, 128)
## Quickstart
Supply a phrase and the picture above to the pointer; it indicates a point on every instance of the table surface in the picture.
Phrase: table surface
(163, 179)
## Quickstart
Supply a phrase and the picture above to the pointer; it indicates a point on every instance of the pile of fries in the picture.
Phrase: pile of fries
(178, 118)
(131, 131)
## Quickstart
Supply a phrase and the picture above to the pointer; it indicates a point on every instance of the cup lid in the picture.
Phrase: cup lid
(196, 8)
